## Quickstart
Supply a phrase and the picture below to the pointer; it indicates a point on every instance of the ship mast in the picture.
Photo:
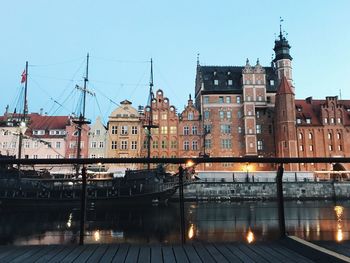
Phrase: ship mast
(25, 112)
(81, 120)
(150, 124)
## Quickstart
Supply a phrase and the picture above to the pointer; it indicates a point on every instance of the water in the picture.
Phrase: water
(212, 221)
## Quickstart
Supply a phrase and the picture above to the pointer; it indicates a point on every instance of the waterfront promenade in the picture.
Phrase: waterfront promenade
(284, 250)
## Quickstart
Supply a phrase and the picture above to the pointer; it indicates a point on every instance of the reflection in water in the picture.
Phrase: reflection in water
(206, 221)
(250, 236)
(339, 214)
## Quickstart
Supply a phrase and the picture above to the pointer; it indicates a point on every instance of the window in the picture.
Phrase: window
(239, 129)
(186, 145)
(26, 144)
(300, 136)
(260, 145)
(134, 145)
(330, 147)
(164, 130)
(206, 99)
(228, 115)
(238, 100)
(250, 131)
(35, 145)
(249, 113)
(216, 82)
(37, 132)
(308, 120)
(134, 130)
(207, 128)
(339, 120)
(206, 115)
(338, 136)
(248, 98)
(101, 144)
(145, 144)
(226, 144)
(329, 136)
(310, 136)
(173, 129)
(194, 130)
(186, 130)
(58, 145)
(124, 145)
(260, 98)
(239, 114)
(93, 145)
(258, 128)
(221, 99)
(298, 120)
(229, 82)
(98, 132)
(311, 148)
(164, 145)
(190, 116)
(155, 116)
(301, 148)
(72, 144)
(207, 143)
(164, 116)
(225, 128)
(221, 114)
(114, 145)
(272, 82)
(332, 120)
(35, 156)
(268, 99)
(194, 145)
(173, 144)
(155, 145)
(340, 147)
(124, 130)
(154, 130)
(257, 114)
(325, 120)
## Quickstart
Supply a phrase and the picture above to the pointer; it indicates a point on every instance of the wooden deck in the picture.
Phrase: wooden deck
(277, 251)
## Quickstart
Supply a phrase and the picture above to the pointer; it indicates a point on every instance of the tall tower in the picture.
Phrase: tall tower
(285, 129)
(283, 60)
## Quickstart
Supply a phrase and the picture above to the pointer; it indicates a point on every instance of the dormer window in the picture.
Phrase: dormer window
(229, 73)
(190, 116)
(299, 109)
(308, 120)
(229, 82)
(272, 82)
(216, 82)
(298, 121)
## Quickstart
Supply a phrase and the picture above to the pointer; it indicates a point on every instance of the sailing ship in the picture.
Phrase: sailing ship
(136, 186)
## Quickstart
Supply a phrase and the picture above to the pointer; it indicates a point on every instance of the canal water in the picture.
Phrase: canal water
(205, 221)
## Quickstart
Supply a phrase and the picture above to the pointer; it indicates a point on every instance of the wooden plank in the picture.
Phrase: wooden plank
(279, 256)
(238, 253)
(7, 251)
(51, 254)
(203, 253)
(341, 248)
(44, 251)
(227, 253)
(86, 253)
(144, 254)
(262, 253)
(216, 254)
(180, 254)
(156, 254)
(250, 253)
(98, 254)
(192, 255)
(168, 254)
(132, 255)
(19, 251)
(73, 254)
(291, 254)
(110, 252)
(121, 253)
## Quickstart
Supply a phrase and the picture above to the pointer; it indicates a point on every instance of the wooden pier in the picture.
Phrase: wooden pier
(284, 250)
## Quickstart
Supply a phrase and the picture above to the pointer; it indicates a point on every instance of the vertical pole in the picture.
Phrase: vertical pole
(82, 206)
(182, 209)
(280, 201)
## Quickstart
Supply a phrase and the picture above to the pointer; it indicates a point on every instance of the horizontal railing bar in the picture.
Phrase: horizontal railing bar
(196, 160)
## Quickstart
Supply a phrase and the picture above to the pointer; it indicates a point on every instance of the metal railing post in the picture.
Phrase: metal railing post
(280, 201)
(182, 209)
(82, 206)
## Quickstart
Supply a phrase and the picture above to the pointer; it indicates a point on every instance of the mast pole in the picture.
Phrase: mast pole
(82, 114)
(25, 112)
(150, 118)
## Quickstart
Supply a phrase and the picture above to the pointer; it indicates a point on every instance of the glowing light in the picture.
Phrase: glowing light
(340, 235)
(189, 163)
(97, 235)
(191, 232)
(250, 236)
(69, 222)
(339, 211)
(23, 124)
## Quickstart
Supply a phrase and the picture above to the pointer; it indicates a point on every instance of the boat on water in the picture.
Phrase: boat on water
(19, 187)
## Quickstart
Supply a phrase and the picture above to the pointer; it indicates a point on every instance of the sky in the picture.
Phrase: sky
(122, 36)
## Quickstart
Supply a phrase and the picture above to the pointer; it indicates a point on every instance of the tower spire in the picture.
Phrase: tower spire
(281, 35)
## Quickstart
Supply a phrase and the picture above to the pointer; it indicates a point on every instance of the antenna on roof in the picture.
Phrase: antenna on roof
(281, 20)
(340, 94)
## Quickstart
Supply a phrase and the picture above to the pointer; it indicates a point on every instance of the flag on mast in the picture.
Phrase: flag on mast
(24, 76)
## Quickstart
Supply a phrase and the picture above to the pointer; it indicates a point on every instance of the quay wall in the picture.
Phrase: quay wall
(308, 190)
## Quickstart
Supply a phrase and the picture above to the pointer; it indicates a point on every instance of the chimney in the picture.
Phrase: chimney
(309, 100)
(41, 111)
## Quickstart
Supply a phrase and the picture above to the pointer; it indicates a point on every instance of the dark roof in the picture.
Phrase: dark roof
(224, 73)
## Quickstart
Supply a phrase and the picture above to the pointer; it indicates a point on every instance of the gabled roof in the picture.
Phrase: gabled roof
(43, 122)
(284, 87)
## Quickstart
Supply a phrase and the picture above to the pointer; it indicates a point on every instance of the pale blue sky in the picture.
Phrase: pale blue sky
(121, 36)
